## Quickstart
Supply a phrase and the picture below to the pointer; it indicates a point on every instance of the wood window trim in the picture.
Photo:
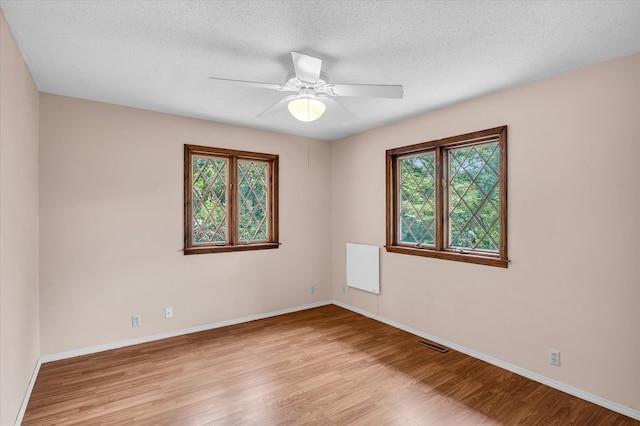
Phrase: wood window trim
(234, 244)
(439, 251)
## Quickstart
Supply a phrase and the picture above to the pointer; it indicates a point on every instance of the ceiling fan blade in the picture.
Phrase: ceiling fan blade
(334, 101)
(249, 83)
(275, 107)
(307, 67)
(366, 90)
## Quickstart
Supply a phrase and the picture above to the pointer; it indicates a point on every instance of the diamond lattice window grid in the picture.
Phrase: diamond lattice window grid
(209, 200)
(230, 200)
(416, 203)
(253, 196)
(474, 209)
(446, 198)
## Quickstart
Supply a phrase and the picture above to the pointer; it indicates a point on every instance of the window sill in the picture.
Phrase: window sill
(447, 255)
(229, 248)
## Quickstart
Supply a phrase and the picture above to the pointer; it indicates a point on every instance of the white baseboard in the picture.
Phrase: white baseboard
(619, 408)
(145, 339)
(613, 406)
(27, 395)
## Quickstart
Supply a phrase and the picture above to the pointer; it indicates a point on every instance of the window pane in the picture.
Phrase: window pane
(474, 197)
(209, 200)
(252, 201)
(417, 218)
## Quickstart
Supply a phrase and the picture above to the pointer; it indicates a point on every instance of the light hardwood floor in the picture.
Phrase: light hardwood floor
(323, 366)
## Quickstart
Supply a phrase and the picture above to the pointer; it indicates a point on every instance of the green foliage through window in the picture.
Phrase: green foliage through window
(252, 192)
(474, 197)
(230, 200)
(209, 200)
(417, 219)
(447, 198)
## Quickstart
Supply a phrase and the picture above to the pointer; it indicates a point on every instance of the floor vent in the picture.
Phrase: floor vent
(434, 346)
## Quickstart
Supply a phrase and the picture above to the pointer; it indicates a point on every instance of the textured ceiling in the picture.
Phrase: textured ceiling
(157, 55)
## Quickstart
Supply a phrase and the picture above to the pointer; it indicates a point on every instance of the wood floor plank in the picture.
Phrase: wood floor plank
(321, 366)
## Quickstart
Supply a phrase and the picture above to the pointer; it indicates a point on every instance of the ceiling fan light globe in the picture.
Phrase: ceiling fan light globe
(306, 109)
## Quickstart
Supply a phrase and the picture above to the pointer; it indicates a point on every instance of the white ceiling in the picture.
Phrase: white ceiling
(157, 55)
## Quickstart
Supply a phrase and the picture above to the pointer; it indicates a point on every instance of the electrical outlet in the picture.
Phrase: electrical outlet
(344, 289)
(312, 289)
(136, 320)
(168, 312)
(554, 357)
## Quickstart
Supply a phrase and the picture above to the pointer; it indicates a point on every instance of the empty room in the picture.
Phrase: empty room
(330, 213)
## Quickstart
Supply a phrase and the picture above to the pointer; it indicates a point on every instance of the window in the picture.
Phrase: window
(448, 198)
(230, 200)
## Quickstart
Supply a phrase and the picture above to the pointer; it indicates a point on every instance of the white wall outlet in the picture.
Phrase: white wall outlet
(344, 289)
(312, 289)
(168, 312)
(554, 357)
(136, 320)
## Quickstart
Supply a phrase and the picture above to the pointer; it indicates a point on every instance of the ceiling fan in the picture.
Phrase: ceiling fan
(313, 90)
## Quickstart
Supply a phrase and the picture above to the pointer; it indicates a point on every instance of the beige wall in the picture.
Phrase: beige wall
(111, 229)
(111, 220)
(574, 228)
(19, 334)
